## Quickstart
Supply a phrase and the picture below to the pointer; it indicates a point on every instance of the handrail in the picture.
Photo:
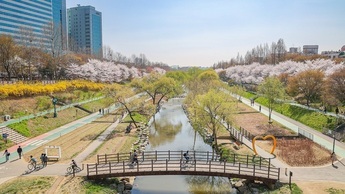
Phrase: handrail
(178, 155)
(174, 167)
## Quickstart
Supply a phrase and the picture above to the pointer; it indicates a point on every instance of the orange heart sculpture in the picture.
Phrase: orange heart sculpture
(264, 138)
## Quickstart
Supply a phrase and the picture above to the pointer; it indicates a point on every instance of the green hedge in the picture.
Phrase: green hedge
(315, 120)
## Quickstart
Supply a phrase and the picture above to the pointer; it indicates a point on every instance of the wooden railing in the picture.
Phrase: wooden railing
(178, 155)
(171, 163)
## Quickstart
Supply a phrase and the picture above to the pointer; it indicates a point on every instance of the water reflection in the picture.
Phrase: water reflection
(170, 130)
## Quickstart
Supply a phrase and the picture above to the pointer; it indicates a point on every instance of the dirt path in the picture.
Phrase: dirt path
(56, 185)
(321, 187)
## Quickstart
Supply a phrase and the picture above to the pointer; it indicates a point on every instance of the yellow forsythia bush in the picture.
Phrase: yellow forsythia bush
(21, 89)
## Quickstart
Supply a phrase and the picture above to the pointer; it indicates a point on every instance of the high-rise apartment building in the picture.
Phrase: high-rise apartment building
(35, 23)
(85, 30)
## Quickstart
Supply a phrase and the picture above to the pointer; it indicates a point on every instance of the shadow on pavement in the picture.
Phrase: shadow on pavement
(38, 167)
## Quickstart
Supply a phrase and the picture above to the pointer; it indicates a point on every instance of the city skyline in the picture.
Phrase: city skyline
(201, 33)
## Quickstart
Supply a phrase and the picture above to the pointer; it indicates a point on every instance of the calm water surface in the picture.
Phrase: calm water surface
(172, 131)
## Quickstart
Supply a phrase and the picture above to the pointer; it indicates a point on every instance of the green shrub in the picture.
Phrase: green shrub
(315, 120)
(21, 127)
(249, 95)
(44, 103)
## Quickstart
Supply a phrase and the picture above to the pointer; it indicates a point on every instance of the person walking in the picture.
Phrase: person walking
(42, 159)
(45, 159)
(7, 155)
(20, 152)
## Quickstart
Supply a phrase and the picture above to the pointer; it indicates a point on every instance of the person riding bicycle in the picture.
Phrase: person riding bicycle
(186, 156)
(74, 165)
(32, 161)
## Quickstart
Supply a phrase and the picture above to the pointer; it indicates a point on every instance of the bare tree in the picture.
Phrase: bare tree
(7, 54)
(281, 50)
(55, 39)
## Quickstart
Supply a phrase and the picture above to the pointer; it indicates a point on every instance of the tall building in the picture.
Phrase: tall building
(85, 30)
(29, 22)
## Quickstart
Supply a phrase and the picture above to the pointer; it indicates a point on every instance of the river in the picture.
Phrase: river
(171, 130)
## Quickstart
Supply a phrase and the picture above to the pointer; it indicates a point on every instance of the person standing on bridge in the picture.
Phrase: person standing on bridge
(20, 152)
(135, 157)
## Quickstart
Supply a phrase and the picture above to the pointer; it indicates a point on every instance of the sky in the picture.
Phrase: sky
(203, 32)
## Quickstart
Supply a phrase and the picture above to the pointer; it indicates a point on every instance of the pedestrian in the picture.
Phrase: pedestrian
(260, 108)
(20, 152)
(45, 159)
(7, 154)
(42, 158)
(336, 110)
(100, 111)
(333, 157)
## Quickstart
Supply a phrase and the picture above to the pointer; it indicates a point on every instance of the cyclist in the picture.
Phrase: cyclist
(186, 156)
(33, 161)
(74, 165)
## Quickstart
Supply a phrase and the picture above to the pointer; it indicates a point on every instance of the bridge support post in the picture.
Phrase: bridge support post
(254, 170)
(239, 168)
(269, 167)
(209, 167)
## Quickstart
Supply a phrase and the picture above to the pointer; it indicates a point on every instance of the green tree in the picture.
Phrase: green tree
(157, 87)
(178, 76)
(271, 89)
(126, 97)
(212, 108)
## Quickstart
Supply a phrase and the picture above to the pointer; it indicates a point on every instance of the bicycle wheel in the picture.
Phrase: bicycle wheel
(70, 169)
(31, 166)
(77, 169)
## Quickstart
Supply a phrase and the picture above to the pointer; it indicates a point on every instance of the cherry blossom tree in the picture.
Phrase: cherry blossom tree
(256, 73)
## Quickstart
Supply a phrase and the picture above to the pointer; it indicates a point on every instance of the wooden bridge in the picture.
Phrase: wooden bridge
(172, 163)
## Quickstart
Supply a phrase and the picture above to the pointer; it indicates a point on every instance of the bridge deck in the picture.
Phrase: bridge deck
(178, 167)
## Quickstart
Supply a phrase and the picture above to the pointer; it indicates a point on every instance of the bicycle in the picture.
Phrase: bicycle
(31, 166)
(185, 162)
(70, 169)
(36, 166)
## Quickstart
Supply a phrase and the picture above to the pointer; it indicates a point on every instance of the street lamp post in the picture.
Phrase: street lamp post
(54, 103)
(333, 142)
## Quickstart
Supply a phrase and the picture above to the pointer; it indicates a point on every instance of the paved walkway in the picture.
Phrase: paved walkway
(17, 167)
